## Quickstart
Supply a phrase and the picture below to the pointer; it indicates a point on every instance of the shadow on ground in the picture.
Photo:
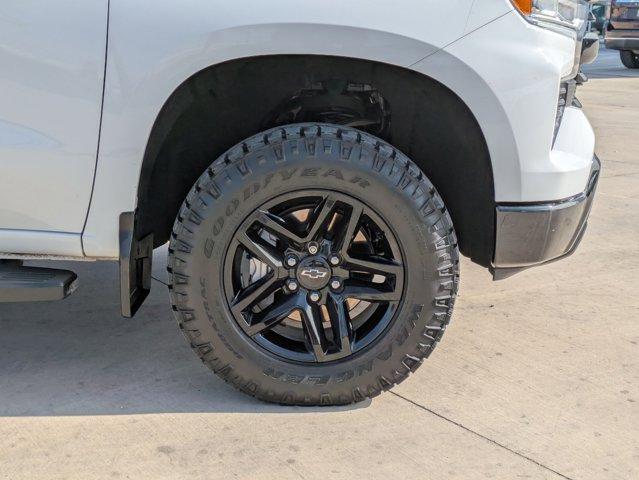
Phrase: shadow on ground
(80, 357)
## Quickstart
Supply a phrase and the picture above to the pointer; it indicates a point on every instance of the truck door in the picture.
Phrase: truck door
(52, 60)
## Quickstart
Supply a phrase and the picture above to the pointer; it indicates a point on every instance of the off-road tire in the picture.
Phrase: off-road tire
(312, 156)
(629, 58)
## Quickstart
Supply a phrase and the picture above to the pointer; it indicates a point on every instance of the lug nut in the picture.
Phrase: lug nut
(334, 260)
(314, 297)
(336, 284)
(292, 285)
(291, 260)
(313, 248)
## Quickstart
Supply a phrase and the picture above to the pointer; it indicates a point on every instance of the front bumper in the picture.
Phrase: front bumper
(531, 234)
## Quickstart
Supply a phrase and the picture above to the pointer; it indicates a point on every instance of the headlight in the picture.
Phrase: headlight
(563, 16)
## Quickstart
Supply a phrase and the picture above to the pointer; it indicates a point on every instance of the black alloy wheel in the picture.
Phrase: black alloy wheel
(314, 276)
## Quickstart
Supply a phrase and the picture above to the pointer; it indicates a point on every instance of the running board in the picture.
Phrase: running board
(34, 284)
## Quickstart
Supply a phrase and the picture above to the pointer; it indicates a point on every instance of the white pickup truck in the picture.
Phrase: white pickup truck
(316, 168)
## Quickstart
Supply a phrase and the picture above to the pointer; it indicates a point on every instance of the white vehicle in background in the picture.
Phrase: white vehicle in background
(315, 167)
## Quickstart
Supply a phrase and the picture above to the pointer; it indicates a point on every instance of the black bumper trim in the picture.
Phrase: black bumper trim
(622, 43)
(532, 234)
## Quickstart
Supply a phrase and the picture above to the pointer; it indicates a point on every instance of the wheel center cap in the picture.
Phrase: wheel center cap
(313, 273)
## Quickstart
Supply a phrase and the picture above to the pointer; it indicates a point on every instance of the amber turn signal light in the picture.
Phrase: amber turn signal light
(524, 6)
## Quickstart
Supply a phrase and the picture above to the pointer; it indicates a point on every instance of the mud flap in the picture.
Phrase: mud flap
(136, 260)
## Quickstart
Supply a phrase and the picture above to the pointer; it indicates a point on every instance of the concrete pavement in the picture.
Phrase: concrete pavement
(537, 377)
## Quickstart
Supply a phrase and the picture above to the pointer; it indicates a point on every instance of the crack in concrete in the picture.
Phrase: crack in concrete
(483, 437)
(159, 281)
(632, 174)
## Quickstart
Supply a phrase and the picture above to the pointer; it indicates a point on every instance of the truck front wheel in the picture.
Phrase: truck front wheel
(313, 265)
(629, 58)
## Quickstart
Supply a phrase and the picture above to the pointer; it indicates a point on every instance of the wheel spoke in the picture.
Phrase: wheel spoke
(321, 218)
(348, 229)
(261, 250)
(255, 293)
(374, 264)
(312, 318)
(341, 325)
(371, 292)
(274, 314)
(277, 226)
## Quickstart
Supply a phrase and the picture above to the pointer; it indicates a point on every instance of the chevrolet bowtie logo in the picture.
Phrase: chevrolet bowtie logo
(313, 273)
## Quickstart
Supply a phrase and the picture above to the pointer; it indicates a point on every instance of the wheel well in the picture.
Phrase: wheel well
(222, 105)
